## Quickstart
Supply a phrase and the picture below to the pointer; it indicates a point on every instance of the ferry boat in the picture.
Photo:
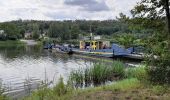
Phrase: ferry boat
(100, 48)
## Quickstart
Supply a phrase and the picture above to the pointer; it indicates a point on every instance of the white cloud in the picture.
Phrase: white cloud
(58, 10)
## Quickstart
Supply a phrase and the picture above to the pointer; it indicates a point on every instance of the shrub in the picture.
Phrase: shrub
(159, 72)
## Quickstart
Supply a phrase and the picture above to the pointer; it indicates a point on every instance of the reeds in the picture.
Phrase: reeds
(97, 74)
(138, 72)
(2, 90)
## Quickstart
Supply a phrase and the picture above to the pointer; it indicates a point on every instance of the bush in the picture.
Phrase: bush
(159, 68)
(159, 59)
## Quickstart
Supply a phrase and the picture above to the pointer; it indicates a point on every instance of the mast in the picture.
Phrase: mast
(91, 34)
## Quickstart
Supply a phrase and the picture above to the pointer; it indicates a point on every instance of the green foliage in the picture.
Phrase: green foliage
(35, 36)
(45, 93)
(158, 61)
(60, 89)
(11, 31)
(159, 90)
(149, 8)
(140, 73)
(124, 85)
(119, 68)
(2, 96)
(126, 40)
(67, 30)
(97, 74)
(10, 43)
(59, 30)
(152, 14)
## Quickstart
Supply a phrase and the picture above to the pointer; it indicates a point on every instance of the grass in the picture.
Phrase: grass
(124, 85)
(97, 74)
(139, 73)
(11, 43)
(126, 89)
(2, 96)
(131, 87)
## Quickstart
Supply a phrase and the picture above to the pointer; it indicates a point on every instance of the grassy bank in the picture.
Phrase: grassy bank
(127, 89)
(132, 84)
(11, 43)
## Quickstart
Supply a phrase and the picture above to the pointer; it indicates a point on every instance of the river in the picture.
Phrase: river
(23, 69)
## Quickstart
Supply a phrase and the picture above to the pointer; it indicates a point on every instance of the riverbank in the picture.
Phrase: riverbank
(127, 89)
(134, 86)
(11, 43)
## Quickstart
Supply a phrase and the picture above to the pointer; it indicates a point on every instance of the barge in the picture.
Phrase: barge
(100, 48)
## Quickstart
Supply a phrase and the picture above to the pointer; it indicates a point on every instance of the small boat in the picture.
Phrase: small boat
(65, 48)
(47, 46)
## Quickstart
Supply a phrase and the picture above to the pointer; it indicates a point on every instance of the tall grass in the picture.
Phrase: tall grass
(2, 90)
(124, 85)
(138, 72)
(97, 74)
(46, 93)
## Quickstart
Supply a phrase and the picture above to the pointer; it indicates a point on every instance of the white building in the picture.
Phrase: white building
(1, 32)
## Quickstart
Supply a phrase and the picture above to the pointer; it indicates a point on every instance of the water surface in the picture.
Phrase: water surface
(23, 69)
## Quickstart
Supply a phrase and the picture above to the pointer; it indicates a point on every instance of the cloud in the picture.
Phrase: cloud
(88, 5)
(63, 9)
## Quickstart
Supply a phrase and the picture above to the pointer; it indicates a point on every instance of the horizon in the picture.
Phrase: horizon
(51, 10)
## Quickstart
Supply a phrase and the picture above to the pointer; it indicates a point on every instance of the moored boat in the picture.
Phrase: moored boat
(65, 48)
(99, 48)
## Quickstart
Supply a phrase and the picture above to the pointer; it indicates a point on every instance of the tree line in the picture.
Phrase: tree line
(69, 29)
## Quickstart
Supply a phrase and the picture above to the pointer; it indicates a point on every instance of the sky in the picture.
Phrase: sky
(64, 9)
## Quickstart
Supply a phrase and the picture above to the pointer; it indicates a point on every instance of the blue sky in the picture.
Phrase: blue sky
(64, 9)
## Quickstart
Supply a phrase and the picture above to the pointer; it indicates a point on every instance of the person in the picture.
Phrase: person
(104, 47)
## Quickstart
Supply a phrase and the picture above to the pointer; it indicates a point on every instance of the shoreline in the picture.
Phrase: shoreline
(29, 42)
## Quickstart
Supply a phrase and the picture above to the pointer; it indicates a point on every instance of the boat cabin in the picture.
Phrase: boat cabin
(94, 44)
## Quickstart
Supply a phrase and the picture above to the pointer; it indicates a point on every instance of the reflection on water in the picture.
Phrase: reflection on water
(24, 68)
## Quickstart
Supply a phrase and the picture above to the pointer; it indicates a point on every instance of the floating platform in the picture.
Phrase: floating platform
(116, 51)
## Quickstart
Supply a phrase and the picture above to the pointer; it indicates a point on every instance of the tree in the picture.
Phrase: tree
(153, 9)
(74, 31)
(11, 30)
(35, 31)
(122, 17)
(126, 40)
